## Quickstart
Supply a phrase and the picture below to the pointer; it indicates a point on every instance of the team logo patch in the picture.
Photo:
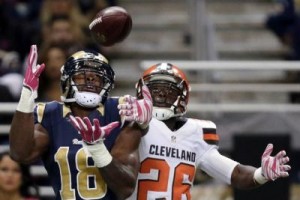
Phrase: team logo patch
(76, 141)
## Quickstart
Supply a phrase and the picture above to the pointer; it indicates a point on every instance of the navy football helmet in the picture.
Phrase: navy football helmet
(83, 62)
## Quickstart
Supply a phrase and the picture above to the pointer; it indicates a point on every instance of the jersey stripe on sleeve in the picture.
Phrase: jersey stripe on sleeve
(210, 136)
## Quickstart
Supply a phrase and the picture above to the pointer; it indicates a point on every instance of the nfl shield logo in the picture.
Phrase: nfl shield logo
(173, 138)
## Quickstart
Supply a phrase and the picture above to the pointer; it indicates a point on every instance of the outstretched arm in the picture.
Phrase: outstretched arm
(122, 173)
(272, 168)
(27, 141)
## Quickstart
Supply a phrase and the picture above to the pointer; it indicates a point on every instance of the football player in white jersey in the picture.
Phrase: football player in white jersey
(175, 146)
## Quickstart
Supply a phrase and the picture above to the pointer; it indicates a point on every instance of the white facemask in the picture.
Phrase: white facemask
(87, 99)
(162, 113)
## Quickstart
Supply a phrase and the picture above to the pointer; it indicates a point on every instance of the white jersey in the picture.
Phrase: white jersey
(169, 160)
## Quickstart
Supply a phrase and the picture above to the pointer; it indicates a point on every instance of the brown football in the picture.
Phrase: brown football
(111, 25)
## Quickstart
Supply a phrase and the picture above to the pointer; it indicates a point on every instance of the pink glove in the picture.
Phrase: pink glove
(138, 110)
(33, 71)
(274, 167)
(92, 134)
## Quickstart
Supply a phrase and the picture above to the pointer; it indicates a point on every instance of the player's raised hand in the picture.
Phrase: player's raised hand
(92, 134)
(93, 137)
(139, 110)
(30, 82)
(33, 71)
(274, 167)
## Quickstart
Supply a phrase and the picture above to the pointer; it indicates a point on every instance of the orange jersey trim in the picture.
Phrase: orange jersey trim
(211, 137)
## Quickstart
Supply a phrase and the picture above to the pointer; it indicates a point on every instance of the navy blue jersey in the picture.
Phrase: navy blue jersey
(71, 170)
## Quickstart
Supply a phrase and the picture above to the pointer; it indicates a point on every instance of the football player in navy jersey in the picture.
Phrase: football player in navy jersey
(175, 146)
(87, 149)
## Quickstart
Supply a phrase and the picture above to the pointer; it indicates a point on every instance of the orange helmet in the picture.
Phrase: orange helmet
(169, 89)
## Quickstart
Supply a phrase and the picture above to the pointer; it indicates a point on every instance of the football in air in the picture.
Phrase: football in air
(111, 25)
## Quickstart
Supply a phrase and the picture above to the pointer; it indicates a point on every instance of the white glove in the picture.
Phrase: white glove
(272, 168)
(139, 110)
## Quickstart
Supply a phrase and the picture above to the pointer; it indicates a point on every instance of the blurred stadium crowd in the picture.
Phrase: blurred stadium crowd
(60, 27)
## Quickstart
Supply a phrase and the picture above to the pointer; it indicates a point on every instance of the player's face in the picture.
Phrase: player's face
(163, 94)
(10, 175)
(88, 81)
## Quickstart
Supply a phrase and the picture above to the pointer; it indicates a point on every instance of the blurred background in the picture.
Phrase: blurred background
(241, 58)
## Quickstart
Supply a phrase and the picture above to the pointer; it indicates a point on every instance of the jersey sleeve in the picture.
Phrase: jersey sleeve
(217, 165)
(44, 114)
(211, 161)
(209, 130)
(39, 112)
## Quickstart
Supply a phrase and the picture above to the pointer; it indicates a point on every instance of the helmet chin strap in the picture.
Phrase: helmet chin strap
(87, 99)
